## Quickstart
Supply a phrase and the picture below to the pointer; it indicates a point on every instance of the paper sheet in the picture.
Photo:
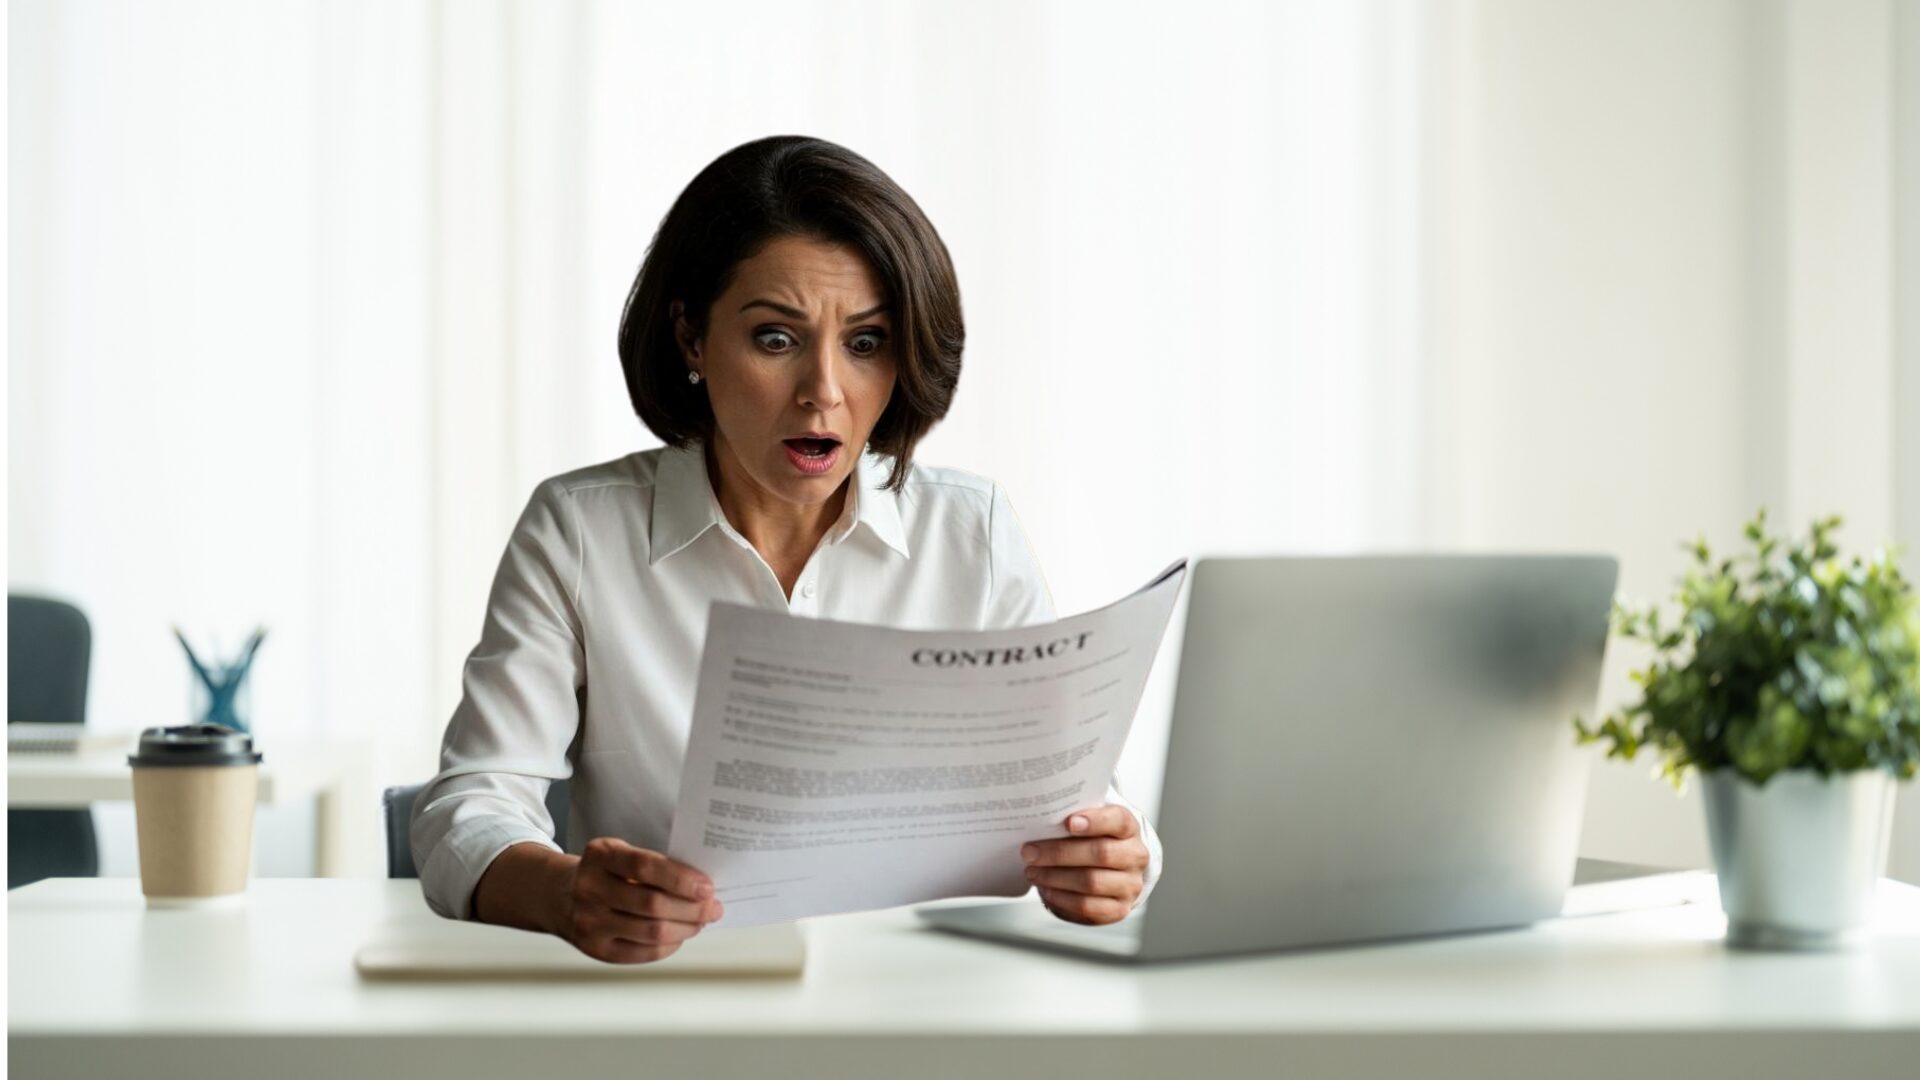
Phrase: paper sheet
(840, 767)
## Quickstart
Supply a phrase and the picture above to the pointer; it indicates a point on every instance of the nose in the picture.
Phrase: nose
(819, 378)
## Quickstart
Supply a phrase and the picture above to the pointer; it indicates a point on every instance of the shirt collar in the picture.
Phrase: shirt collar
(684, 504)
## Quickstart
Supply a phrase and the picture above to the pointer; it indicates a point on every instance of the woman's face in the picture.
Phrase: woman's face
(798, 362)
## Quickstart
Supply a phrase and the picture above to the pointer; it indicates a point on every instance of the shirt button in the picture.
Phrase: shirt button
(807, 590)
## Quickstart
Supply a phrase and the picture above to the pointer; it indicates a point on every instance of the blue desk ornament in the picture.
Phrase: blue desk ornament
(223, 681)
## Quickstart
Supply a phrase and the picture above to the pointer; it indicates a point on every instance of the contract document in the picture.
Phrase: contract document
(840, 767)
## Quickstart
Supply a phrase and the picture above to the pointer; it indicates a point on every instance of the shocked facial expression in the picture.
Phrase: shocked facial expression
(798, 362)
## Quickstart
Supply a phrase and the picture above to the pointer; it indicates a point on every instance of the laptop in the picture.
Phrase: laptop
(1362, 748)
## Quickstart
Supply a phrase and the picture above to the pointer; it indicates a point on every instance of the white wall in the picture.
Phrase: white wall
(1906, 280)
(1672, 301)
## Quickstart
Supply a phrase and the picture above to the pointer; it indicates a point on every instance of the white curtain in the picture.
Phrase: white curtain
(222, 361)
(307, 296)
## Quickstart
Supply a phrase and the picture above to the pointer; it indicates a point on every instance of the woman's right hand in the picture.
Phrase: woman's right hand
(629, 905)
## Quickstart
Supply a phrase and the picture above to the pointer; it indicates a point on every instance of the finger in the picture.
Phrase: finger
(649, 931)
(645, 901)
(635, 864)
(676, 877)
(1115, 854)
(1094, 881)
(1081, 908)
(1108, 820)
(616, 951)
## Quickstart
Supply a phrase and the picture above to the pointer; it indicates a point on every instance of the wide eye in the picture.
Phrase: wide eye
(776, 341)
(869, 342)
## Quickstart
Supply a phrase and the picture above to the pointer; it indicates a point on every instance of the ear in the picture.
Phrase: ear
(683, 334)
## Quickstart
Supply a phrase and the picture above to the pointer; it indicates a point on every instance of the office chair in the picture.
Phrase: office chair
(398, 805)
(49, 646)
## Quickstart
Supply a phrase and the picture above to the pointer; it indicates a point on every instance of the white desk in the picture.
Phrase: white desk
(289, 773)
(98, 986)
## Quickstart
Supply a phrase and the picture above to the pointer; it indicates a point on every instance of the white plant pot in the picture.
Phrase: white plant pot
(1800, 857)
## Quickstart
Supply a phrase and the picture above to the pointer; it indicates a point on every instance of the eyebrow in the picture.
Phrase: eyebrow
(796, 313)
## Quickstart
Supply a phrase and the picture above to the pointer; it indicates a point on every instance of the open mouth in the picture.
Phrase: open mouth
(812, 448)
(813, 454)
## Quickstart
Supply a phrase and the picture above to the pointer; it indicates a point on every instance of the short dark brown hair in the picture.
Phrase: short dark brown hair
(792, 185)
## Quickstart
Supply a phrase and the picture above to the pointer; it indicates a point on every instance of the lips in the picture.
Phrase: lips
(813, 453)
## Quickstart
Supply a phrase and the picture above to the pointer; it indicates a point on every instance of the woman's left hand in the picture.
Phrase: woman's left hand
(1095, 875)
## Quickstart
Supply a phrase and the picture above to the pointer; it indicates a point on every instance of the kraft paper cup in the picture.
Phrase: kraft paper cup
(193, 796)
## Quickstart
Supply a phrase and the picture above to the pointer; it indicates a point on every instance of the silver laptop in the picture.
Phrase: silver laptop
(1361, 748)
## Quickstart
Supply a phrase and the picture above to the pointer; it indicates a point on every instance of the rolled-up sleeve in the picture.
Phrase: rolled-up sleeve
(1017, 595)
(519, 712)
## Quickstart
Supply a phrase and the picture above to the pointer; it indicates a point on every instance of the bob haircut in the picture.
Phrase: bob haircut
(792, 185)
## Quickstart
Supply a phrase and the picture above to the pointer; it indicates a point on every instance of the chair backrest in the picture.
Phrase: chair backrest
(398, 805)
(48, 648)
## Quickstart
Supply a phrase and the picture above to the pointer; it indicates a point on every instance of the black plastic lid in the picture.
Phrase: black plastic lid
(194, 744)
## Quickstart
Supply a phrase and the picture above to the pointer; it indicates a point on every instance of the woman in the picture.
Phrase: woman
(793, 332)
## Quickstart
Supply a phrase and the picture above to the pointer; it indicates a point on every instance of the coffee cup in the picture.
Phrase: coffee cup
(193, 795)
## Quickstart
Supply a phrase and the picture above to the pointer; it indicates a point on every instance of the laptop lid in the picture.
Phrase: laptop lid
(1377, 746)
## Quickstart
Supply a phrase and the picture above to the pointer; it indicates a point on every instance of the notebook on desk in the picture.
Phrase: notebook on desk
(467, 950)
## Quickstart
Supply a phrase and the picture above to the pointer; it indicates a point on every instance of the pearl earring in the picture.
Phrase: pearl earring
(693, 377)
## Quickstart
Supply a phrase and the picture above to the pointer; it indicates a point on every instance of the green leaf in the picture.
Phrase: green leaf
(1782, 658)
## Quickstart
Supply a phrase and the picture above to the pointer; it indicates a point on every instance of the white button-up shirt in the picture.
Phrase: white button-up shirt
(590, 651)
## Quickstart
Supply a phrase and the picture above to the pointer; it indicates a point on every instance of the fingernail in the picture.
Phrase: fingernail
(1078, 823)
(704, 890)
(1028, 853)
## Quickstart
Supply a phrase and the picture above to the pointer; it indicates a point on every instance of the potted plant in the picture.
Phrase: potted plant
(1791, 682)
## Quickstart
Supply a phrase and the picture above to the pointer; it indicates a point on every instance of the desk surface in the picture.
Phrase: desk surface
(98, 982)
